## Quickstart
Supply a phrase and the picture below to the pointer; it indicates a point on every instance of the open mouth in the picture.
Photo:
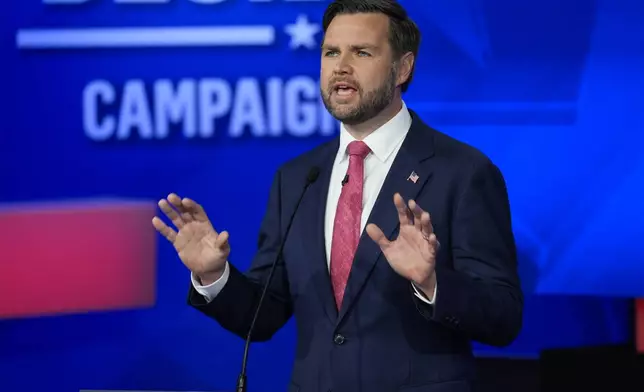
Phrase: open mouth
(344, 89)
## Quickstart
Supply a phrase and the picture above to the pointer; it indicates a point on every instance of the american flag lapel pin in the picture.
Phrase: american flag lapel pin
(413, 177)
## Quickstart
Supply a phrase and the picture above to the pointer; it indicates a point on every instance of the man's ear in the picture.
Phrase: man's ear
(405, 68)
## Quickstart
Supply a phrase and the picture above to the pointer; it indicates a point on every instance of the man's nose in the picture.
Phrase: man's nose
(343, 65)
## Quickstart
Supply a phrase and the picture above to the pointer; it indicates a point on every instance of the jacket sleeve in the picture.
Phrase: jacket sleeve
(479, 293)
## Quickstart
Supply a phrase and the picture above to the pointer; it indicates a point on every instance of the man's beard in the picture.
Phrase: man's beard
(369, 105)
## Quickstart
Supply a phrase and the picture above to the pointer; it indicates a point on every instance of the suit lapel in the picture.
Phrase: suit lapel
(413, 158)
(318, 192)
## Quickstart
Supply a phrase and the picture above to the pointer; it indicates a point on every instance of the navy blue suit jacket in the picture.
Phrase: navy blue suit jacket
(384, 338)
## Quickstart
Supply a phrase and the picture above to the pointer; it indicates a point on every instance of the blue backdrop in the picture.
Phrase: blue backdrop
(97, 107)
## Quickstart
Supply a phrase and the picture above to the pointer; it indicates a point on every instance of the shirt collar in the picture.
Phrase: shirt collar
(382, 141)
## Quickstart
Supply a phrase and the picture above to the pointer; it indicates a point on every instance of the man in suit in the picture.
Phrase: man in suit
(399, 255)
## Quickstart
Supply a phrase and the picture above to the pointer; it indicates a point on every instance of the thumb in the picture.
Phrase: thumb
(377, 235)
(222, 240)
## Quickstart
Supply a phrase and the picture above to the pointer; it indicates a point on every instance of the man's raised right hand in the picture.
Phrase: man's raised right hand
(199, 246)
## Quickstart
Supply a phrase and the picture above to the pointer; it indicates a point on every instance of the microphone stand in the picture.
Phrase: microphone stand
(241, 380)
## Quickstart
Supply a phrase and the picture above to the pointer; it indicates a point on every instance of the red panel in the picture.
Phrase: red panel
(639, 325)
(71, 258)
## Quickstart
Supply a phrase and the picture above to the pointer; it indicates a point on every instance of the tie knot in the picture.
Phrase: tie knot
(359, 149)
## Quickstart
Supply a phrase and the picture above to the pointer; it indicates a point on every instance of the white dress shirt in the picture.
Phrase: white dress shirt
(384, 143)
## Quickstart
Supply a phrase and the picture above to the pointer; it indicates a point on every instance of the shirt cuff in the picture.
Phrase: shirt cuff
(422, 295)
(212, 290)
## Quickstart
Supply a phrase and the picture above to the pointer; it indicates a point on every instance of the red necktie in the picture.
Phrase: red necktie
(346, 227)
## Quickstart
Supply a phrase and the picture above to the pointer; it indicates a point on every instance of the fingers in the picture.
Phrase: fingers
(174, 210)
(175, 200)
(181, 211)
(422, 220)
(417, 212)
(177, 204)
(433, 242)
(377, 235)
(195, 210)
(423, 223)
(164, 229)
(171, 213)
(404, 214)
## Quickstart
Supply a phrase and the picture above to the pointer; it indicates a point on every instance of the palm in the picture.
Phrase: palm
(199, 246)
(409, 254)
(196, 247)
(413, 253)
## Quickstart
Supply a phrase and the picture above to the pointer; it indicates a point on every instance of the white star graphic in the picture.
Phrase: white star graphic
(302, 33)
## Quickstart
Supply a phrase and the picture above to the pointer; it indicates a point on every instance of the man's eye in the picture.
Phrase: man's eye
(362, 53)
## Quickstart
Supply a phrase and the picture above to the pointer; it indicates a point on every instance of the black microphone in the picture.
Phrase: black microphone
(314, 172)
(345, 180)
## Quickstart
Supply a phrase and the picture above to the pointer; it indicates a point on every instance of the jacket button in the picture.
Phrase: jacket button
(338, 339)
